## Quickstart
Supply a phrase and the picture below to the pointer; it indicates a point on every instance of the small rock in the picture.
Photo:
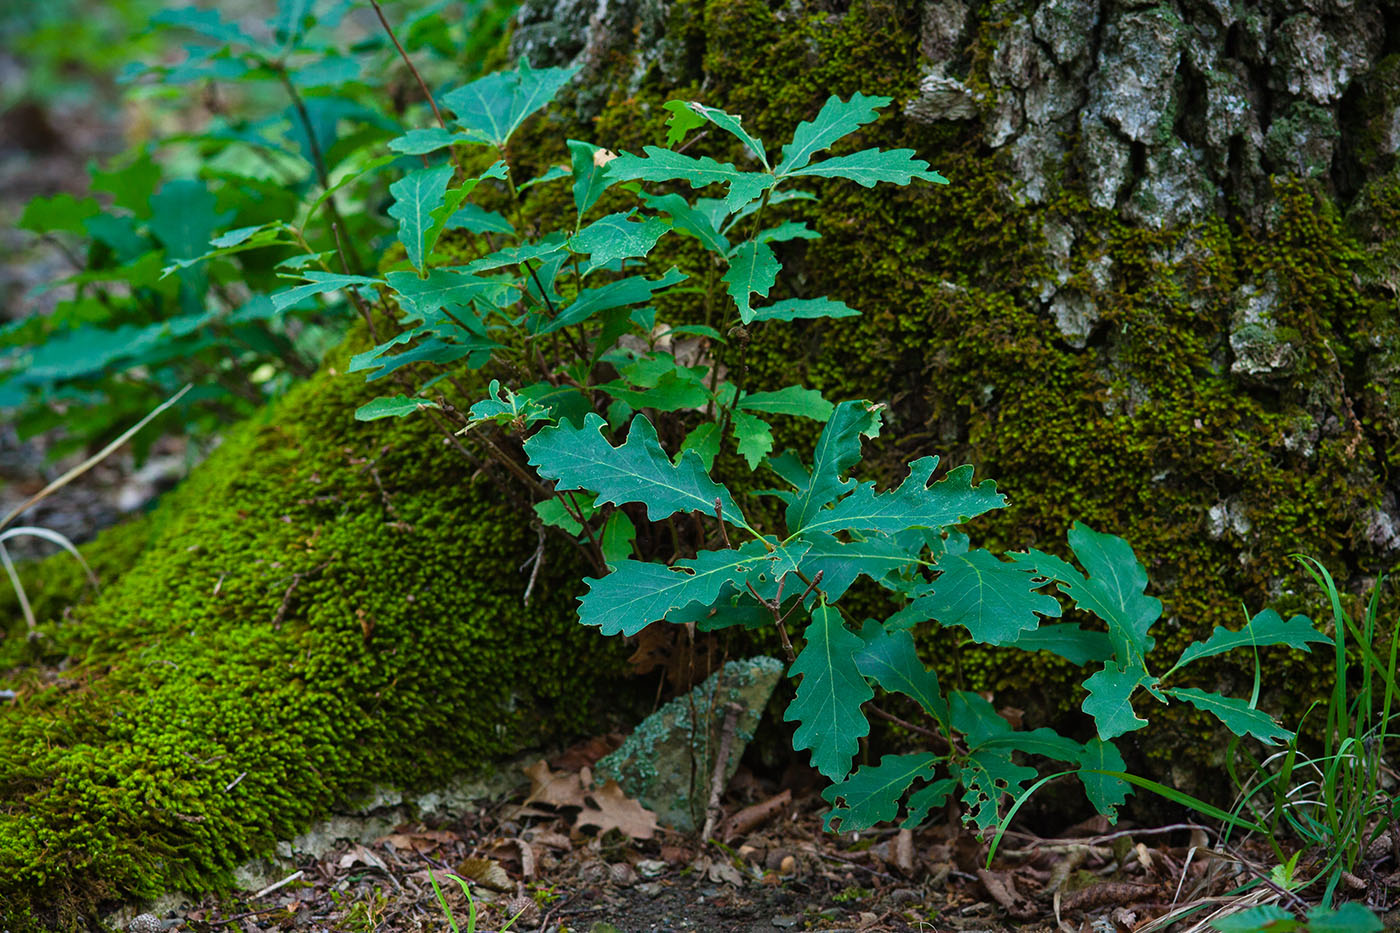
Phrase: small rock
(621, 873)
(650, 888)
(593, 872)
(786, 921)
(651, 868)
(145, 923)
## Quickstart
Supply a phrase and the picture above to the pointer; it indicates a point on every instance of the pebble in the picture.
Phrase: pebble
(650, 888)
(651, 868)
(785, 921)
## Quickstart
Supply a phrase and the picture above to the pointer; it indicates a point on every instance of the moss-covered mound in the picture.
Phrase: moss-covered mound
(1198, 355)
(323, 606)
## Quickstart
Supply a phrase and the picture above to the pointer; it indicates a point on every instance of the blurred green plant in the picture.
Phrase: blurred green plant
(290, 154)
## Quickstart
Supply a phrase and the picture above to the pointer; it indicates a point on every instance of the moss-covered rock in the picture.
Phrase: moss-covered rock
(325, 605)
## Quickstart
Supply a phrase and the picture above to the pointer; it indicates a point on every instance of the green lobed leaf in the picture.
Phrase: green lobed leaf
(837, 118)
(664, 165)
(730, 124)
(1113, 591)
(1351, 917)
(426, 140)
(1076, 645)
(553, 513)
(837, 450)
(893, 662)
(544, 248)
(752, 270)
(869, 167)
(994, 600)
(871, 795)
(915, 503)
(1110, 699)
(617, 236)
(1104, 791)
(62, 212)
(787, 230)
(840, 562)
(503, 406)
(1266, 918)
(395, 407)
(616, 540)
(318, 283)
(423, 298)
(674, 391)
(827, 705)
(1237, 715)
(493, 107)
(628, 291)
(636, 471)
(1266, 628)
(553, 173)
(793, 309)
(436, 346)
(754, 436)
(591, 178)
(681, 121)
(183, 217)
(793, 400)
(638, 593)
(478, 219)
(704, 440)
(416, 196)
(688, 220)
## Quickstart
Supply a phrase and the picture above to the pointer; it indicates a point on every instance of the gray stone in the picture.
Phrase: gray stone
(1260, 350)
(1134, 89)
(1105, 156)
(1065, 26)
(1303, 139)
(1315, 62)
(942, 97)
(656, 763)
(941, 30)
(1173, 190)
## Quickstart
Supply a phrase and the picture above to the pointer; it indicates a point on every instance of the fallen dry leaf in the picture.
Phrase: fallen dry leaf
(486, 872)
(612, 809)
(556, 788)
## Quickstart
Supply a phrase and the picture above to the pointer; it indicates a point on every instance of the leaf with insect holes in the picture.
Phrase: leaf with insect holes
(638, 593)
(395, 407)
(1237, 715)
(636, 471)
(837, 118)
(591, 178)
(617, 236)
(1110, 699)
(665, 165)
(994, 600)
(754, 436)
(493, 107)
(318, 283)
(871, 795)
(988, 771)
(869, 167)
(892, 661)
(795, 309)
(629, 291)
(752, 270)
(687, 219)
(837, 450)
(732, 125)
(828, 701)
(609, 808)
(416, 196)
(1266, 628)
(951, 500)
(1104, 791)
(793, 400)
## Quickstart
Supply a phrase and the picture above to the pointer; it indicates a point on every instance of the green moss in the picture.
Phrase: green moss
(324, 606)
